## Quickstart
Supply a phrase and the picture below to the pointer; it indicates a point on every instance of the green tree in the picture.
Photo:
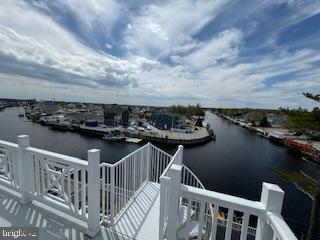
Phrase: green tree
(264, 122)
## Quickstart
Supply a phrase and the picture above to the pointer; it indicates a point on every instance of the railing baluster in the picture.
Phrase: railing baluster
(83, 192)
(103, 191)
(229, 224)
(112, 185)
(201, 220)
(214, 222)
(69, 185)
(76, 190)
(157, 168)
(37, 174)
(274, 236)
(125, 180)
(42, 169)
(134, 174)
(244, 228)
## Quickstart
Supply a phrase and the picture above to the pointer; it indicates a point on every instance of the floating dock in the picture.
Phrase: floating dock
(133, 140)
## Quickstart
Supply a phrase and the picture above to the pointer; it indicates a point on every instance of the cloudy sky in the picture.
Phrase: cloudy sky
(223, 53)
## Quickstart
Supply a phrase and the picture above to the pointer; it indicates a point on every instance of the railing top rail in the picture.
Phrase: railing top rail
(8, 144)
(160, 150)
(280, 227)
(224, 200)
(123, 158)
(130, 154)
(66, 158)
(174, 158)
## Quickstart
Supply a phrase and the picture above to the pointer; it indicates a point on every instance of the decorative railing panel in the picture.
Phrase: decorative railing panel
(60, 181)
(8, 164)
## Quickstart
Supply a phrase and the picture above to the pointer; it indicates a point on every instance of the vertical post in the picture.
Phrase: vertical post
(173, 203)
(148, 161)
(25, 171)
(112, 182)
(181, 154)
(272, 199)
(93, 192)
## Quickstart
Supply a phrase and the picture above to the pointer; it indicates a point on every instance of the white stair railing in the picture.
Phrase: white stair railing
(122, 181)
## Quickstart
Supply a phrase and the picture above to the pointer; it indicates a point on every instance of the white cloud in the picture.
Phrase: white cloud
(222, 47)
(41, 56)
(48, 46)
(167, 25)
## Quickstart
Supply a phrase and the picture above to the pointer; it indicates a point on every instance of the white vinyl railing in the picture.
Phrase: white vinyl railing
(192, 212)
(159, 161)
(187, 210)
(187, 177)
(8, 165)
(122, 181)
(59, 180)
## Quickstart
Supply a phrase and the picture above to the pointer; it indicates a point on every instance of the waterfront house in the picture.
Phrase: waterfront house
(48, 107)
(115, 115)
(277, 119)
(82, 116)
(148, 194)
(165, 121)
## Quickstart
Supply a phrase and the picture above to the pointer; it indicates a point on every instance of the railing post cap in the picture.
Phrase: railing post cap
(176, 167)
(23, 140)
(272, 187)
(272, 197)
(94, 150)
(23, 136)
(180, 146)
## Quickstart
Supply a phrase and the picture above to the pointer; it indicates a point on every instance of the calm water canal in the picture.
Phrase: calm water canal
(236, 163)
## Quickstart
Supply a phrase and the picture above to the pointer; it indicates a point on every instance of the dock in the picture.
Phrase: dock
(133, 140)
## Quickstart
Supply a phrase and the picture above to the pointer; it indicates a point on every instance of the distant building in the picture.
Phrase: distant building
(116, 115)
(48, 107)
(82, 116)
(165, 121)
(277, 120)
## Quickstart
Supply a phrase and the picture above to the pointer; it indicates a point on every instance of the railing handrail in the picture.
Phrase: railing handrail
(280, 227)
(160, 150)
(172, 161)
(124, 158)
(224, 200)
(8, 144)
(58, 156)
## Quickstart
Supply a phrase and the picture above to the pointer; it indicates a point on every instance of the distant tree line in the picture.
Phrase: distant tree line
(189, 110)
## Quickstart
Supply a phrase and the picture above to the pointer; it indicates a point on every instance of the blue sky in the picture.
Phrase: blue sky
(220, 53)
